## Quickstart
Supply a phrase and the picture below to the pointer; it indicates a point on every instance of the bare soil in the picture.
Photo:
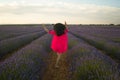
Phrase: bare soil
(53, 73)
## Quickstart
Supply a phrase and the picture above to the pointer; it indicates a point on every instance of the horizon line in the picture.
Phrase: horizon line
(55, 23)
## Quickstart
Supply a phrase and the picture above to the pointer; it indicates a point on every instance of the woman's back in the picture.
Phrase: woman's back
(59, 43)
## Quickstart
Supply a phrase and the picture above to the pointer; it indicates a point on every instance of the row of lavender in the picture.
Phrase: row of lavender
(10, 31)
(14, 37)
(109, 46)
(110, 33)
(28, 63)
(88, 63)
(10, 45)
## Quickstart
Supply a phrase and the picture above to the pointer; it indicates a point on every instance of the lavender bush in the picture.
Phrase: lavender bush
(110, 33)
(29, 63)
(112, 49)
(87, 63)
(14, 31)
(9, 45)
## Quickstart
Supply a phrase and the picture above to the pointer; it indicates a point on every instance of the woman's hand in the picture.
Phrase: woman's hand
(44, 27)
(66, 25)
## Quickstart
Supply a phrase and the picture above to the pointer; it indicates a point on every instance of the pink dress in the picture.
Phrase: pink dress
(59, 43)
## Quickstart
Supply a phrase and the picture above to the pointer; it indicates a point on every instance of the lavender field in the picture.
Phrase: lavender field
(93, 53)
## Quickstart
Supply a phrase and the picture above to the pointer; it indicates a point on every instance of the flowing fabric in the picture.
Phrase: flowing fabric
(59, 44)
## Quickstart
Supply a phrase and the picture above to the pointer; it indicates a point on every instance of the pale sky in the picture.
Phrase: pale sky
(53, 11)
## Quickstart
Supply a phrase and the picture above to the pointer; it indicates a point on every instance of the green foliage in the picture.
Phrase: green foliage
(95, 70)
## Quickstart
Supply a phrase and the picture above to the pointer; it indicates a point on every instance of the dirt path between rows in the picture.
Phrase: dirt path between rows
(53, 73)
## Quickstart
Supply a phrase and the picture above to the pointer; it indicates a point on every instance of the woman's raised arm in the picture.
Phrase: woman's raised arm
(44, 27)
(66, 25)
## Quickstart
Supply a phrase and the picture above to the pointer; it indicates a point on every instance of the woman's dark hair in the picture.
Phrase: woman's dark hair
(59, 29)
